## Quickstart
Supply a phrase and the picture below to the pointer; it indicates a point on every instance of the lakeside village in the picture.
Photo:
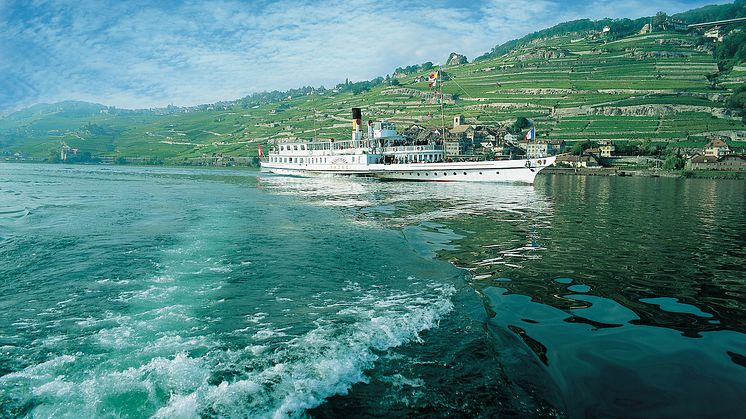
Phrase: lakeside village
(472, 142)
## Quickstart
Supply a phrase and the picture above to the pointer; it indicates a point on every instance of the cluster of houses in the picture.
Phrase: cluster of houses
(591, 157)
(717, 155)
(8, 155)
(67, 152)
(468, 141)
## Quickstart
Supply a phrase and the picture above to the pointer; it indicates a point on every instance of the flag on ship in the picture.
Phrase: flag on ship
(531, 135)
(259, 146)
(433, 79)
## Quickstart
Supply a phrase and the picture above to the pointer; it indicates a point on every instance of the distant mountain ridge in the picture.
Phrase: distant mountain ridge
(623, 27)
(620, 28)
(71, 108)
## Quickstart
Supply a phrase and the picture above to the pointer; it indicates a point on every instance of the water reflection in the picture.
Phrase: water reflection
(405, 203)
(630, 290)
(608, 365)
(623, 237)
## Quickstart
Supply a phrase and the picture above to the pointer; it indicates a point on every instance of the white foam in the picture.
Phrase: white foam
(323, 362)
(179, 407)
(56, 388)
(265, 334)
(42, 370)
(400, 381)
(147, 355)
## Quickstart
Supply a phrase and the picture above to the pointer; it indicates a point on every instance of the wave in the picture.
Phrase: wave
(272, 380)
(324, 362)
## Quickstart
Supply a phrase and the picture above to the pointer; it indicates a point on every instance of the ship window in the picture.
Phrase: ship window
(497, 173)
(303, 147)
(418, 173)
(427, 174)
(282, 148)
(445, 174)
(454, 173)
(480, 173)
(464, 173)
(295, 147)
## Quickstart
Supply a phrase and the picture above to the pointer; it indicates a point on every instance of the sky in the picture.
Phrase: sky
(142, 54)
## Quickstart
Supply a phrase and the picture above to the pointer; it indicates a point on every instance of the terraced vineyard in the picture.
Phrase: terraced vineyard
(575, 87)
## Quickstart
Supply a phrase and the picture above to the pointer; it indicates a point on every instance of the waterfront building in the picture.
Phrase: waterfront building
(543, 148)
(731, 162)
(717, 148)
(606, 148)
(577, 161)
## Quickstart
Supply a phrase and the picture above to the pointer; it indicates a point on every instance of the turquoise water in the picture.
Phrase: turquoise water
(139, 292)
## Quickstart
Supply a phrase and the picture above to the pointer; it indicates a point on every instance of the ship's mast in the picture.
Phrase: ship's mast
(313, 105)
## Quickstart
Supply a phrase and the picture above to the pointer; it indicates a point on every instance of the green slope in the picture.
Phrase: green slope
(575, 86)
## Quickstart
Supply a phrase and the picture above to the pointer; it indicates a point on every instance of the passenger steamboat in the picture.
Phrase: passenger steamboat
(384, 154)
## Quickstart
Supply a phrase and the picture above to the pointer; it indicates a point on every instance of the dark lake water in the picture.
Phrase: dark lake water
(139, 292)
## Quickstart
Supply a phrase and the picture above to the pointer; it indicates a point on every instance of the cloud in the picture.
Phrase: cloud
(144, 54)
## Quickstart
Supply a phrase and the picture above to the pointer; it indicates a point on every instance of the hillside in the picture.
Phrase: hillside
(665, 87)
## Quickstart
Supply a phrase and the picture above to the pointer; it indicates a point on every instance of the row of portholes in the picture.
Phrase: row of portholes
(311, 160)
(444, 173)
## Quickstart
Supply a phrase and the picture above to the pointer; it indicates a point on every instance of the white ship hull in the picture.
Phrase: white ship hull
(515, 171)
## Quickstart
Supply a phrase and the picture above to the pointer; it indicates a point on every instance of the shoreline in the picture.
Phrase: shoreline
(581, 171)
(613, 171)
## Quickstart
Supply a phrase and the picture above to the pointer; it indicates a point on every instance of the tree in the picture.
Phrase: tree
(520, 124)
(737, 101)
(579, 148)
(714, 80)
(732, 50)
(647, 148)
(54, 155)
(674, 161)
(659, 21)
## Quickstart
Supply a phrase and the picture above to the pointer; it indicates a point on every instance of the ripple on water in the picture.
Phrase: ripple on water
(672, 305)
